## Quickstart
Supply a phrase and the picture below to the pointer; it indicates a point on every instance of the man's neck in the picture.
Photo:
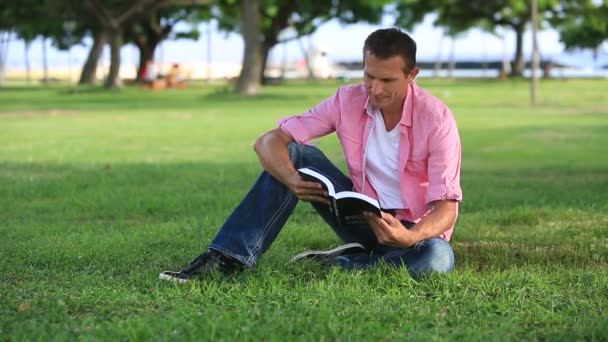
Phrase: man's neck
(391, 117)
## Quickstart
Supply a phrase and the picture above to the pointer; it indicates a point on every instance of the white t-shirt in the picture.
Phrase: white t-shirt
(382, 163)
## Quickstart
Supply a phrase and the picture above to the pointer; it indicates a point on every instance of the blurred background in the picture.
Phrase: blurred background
(285, 39)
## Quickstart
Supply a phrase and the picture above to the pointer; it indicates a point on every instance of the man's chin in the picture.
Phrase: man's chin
(377, 103)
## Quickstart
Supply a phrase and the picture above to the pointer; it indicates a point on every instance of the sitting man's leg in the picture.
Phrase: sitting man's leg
(256, 222)
(429, 256)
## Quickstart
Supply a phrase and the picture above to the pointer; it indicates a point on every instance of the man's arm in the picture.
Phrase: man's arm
(273, 154)
(390, 231)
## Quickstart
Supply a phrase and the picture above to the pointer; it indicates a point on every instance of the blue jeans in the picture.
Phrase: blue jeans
(258, 219)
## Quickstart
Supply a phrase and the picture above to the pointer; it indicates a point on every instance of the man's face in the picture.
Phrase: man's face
(385, 81)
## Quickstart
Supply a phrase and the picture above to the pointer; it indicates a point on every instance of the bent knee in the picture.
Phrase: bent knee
(299, 153)
(441, 264)
(436, 257)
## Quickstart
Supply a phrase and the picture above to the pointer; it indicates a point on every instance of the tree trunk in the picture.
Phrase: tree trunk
(45, 63)
(535, 61)
(113, 80)
(249, 78)
(452, 58)
(89, 70)
(28, 71)
(265, 53)
(438, 62)
(146, 53)
(519, 63)
(306, 55)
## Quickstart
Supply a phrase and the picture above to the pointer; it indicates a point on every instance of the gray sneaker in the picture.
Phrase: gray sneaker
(348, 248)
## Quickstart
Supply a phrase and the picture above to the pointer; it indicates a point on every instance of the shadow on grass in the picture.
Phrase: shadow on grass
(118, 198)
(184, 188)
(501, 255)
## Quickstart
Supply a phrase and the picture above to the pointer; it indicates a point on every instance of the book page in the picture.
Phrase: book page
(314, 176)
(352, 194)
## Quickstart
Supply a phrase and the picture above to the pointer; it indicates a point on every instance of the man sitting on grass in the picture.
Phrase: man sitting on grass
(401, 146)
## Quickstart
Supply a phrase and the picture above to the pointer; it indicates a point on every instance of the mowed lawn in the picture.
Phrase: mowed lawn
(100, 191)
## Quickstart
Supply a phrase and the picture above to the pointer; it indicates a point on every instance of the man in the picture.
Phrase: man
(401, 146)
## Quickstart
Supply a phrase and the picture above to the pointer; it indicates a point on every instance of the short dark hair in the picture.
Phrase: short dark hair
(391, 42)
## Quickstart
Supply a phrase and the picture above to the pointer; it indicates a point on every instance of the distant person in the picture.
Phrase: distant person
(174, 78)
(150, 78)
(401, 146)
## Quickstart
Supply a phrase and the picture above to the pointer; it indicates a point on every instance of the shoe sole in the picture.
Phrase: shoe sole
(349, 247)
(167, 277)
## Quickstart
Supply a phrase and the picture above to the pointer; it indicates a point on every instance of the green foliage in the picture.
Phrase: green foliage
(460, 15)
(100, 191)
(303, 16)
(30, 19)
(587, 28)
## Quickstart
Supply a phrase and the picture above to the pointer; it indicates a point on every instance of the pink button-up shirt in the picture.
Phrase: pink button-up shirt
(429, 145)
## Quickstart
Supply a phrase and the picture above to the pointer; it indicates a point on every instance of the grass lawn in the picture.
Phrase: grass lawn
(100, 191)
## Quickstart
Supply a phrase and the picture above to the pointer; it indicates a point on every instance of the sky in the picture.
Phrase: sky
(341, 42)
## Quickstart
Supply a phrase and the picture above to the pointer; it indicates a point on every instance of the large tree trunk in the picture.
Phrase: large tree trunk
(146, 53)
(113, 80)
(146, 35)
(89, 70)
(114, 24)
(249, 79)
(519, 63)
(265, 53)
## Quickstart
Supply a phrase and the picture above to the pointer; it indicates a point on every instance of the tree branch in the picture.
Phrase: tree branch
(98, 11)
(138, 7)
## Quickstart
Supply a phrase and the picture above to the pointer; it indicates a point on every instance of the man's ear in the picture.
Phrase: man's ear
(414, 73)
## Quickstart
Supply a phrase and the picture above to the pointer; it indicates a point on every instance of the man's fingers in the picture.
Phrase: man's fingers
(315, 198)
(303, 189)
(371, 217)
(310, 185)
(390, 219)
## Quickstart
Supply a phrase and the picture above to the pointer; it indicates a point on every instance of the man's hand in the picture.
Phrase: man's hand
(307, 191)
(271, 149)
(389, 231)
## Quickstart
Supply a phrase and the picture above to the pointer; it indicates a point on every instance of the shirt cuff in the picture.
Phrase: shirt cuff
(437, 192)
(291, 126)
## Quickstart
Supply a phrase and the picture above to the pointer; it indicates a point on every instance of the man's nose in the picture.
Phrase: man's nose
(376, 88)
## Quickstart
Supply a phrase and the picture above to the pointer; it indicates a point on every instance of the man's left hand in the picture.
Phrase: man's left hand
(390, 231)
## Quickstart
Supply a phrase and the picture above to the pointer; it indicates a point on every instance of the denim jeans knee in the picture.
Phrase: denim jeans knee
(429, 256)
(303, 155)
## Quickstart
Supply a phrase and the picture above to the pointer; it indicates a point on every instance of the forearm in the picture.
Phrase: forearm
(442, 217)
(272, 152)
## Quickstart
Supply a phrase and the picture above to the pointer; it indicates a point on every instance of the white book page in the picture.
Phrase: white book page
(343, 194)
(330, 187)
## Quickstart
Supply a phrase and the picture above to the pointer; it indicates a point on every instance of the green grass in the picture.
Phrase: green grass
(99, 191)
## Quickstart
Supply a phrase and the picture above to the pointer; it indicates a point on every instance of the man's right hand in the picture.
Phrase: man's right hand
(307, 191)
(272, 152)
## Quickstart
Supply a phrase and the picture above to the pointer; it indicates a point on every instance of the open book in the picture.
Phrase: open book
(347, 206)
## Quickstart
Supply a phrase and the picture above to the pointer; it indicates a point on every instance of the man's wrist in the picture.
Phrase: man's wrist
(411, 237)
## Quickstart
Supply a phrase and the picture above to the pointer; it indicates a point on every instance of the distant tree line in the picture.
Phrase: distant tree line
(262, 24)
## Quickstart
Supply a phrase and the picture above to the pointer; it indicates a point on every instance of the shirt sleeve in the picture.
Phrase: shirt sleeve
(444, 161)
(317, 122)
